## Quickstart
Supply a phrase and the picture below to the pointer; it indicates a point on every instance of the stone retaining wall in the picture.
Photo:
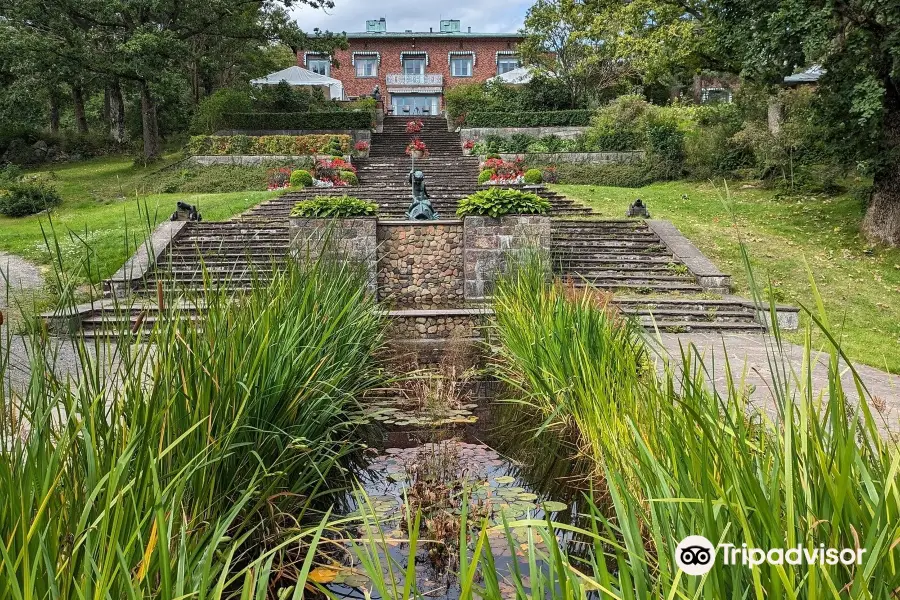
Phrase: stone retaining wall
(489, 243)
(351, 239)
(420, 264)
(254, 160)
(445, 325)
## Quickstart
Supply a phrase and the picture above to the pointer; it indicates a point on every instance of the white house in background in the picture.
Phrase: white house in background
(298, 76)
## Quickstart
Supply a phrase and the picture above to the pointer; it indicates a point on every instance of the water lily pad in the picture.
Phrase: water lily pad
(554, 506)
(504, 479)
(323, 575)
(527, 497)
(356, 580)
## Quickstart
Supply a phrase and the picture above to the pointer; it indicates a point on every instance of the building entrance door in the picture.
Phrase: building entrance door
(420, 104)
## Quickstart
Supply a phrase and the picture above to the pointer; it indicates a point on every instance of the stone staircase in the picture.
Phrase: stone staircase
(393, 139)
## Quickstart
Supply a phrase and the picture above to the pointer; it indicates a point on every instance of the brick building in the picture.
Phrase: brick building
(413, 69)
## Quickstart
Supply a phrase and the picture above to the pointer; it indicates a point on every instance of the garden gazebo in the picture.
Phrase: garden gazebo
(298, 76)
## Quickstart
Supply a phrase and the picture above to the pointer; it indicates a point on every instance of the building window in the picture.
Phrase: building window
(505, 64)
(461, 66)
(319, 64)
(715, 96)
(367, 67)
(413, 66)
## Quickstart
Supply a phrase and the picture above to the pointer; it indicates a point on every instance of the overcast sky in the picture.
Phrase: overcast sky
(498, 16)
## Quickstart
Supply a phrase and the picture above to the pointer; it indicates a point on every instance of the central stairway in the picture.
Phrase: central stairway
(621, 256)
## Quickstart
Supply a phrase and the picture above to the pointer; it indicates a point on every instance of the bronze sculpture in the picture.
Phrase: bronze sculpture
(420, 209)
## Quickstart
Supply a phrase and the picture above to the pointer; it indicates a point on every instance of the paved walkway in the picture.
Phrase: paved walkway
(749, 355)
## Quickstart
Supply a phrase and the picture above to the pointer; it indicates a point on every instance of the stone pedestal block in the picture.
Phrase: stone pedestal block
(489, 243)
(353, 240)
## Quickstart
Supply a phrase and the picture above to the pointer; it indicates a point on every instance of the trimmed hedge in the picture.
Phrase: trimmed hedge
(285, 145)
(299, 120)
(301, 178)
(551, 118)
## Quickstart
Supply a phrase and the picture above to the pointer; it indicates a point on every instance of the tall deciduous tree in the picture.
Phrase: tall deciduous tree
(563, 40)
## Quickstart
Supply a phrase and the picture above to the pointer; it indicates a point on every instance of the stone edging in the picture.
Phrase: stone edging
(708, 275)
(142, 261)
(576, 158)
(407, 223)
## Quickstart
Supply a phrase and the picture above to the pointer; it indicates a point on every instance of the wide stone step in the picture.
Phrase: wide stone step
(641, 287)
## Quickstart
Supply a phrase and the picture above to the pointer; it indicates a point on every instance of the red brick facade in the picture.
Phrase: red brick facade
(437, 47)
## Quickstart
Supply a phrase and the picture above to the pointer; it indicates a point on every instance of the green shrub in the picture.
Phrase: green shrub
(301, 178)
(552, 118)
(349, 177)
(533, 176)
(287, 145)
(27, 198)
(636, 174)
(518, 142)
(210, 114)
(334, 207)
(497, 201)
(620, 125)
(298, 120)
(485, 175)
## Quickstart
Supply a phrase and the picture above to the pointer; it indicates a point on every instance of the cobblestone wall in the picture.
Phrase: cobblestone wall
(350, 239)
(420, 265)
(459, 324)
(489, 243)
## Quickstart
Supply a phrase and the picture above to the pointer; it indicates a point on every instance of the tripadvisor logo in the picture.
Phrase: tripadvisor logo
(696, 555)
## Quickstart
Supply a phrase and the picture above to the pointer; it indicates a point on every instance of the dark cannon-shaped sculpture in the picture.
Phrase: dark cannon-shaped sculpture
(186, 212)
(420, 209)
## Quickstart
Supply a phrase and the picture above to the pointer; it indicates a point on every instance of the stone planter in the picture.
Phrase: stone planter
(417, 154)
(489, 243)
(362, 154)
(352, 240)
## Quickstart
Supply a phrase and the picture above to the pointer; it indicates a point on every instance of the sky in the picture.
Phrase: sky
(498, 16)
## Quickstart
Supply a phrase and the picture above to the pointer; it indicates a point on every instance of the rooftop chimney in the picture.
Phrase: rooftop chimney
(470, 29)
(450, 26)
(376, 25)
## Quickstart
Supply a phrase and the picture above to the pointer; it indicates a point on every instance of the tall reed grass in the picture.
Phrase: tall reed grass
(183, 464)
(679, 458)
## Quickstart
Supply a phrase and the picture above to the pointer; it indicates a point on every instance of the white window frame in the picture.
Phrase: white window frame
(365, 60)
(467, 60)
(316, 56)
(415, 54)
(458, 54)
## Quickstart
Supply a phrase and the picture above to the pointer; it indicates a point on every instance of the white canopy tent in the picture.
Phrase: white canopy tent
(518, 76)
(300, 76)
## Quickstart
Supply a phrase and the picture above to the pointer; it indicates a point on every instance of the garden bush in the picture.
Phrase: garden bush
(497, 201)
(533, 176)
(485, 176)
(349, 177)
(261, 121)
(620, 125)
(210, 114)
(334, 207)
(287, 145)
(24, 198)
(552, 118)
(636, 174)
(301, 178)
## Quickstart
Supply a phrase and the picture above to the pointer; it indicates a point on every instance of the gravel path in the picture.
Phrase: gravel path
(17, 275)
(749, 356)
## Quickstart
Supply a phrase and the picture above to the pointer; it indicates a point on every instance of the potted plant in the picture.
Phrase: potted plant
(414, 126)
(362, 148)
(417, 149)
(468, 145)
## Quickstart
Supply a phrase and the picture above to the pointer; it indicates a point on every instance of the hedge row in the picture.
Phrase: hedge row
(279, 145)
(554, 118)
(299, 120)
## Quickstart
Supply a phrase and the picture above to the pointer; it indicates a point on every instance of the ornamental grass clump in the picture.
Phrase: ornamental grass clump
(496, 202)
(184, 465)
(334, 207)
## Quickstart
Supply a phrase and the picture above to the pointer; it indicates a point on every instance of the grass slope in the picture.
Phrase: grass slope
(103, 202)
(860, 283)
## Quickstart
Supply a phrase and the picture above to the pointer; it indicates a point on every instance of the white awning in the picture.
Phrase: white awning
(300, 76)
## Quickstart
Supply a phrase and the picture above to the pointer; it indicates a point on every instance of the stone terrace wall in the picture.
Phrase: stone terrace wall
(351, 239)
(488, 244)
(420, 264)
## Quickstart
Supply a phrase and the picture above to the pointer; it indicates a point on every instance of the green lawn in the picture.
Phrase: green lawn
(108, 210)
(860, 284)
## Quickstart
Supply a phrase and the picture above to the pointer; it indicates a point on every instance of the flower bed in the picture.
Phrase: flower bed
(496, 202)
(272, 145)
(334, 207)
(417, 146)
(496, 171)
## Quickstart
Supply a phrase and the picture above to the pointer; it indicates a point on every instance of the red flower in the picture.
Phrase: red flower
(469, 144)
(362, 145)
(414, 126)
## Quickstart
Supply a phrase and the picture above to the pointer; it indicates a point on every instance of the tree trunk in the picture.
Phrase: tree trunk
(882, 221)
(116, 111)
(149, 124)
(54, 113)
(78, 105)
